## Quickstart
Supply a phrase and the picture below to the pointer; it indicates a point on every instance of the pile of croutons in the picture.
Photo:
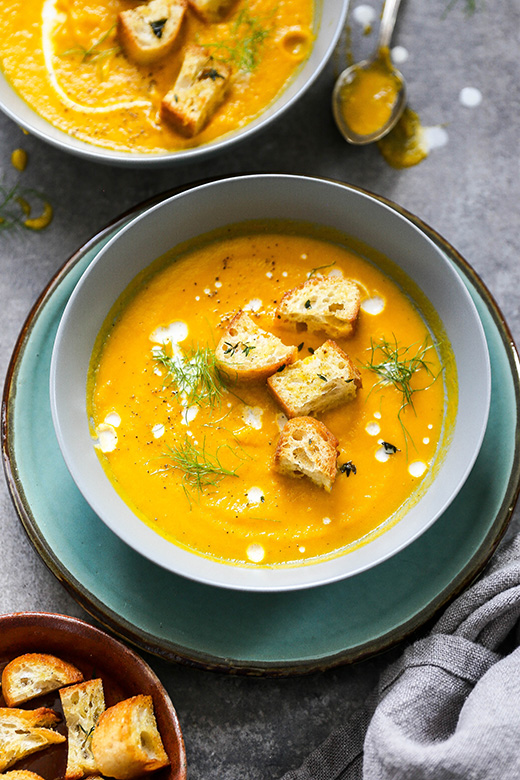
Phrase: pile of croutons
(302, 387)
(149, 32)
(121, 741)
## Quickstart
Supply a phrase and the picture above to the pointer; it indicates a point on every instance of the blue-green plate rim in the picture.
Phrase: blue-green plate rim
(143, 640)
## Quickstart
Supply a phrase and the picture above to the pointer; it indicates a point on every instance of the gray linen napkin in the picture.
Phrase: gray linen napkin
(449, 708)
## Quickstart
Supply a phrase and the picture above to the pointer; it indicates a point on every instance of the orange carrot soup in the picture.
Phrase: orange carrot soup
(69, 61)
(192, 451)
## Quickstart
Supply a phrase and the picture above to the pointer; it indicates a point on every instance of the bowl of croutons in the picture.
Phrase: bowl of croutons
(270, 382)
(162, 81)
(75, 702)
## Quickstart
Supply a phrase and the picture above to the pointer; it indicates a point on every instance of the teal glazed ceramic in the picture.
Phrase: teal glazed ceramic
(254, 633)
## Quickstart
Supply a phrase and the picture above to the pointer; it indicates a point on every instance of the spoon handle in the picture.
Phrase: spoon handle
(388, 18)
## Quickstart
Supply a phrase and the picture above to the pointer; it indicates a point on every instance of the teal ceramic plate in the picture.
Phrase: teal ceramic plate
(256, 633)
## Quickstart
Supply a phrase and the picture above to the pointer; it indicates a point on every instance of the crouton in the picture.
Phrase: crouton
(20, 774)
(199, 90)
(149, 31)
(82, 706)
(33, 674)
(317, 383)
(126, 742)
(23, 732)
(330, 305)
(211, 10)
(247, 353)
(306, 448)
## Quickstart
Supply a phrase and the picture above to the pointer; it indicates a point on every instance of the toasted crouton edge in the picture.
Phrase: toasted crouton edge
(321, 455)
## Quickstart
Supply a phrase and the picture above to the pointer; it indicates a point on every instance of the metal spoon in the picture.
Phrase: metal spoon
(382, 57)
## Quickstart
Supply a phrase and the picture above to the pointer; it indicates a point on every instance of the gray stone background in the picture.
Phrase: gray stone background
(468, 190)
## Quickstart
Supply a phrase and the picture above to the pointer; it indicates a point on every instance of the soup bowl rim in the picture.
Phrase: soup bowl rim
(73, 347)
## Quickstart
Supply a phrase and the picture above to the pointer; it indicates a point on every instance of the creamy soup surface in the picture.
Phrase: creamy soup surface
(65, 59)
(195, 460)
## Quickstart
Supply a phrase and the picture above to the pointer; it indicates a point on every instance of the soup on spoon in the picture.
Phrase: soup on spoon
(370, 96)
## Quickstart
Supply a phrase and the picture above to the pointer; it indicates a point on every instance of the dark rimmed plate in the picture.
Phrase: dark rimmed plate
(280, 633)
(95, 654)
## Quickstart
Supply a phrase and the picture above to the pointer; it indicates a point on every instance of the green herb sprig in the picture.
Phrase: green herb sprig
(470, 6)
(93, 53)
(195, 374)
(244, 47)
(15, 206)
(199, 467)
(396, 365)
(318, 268)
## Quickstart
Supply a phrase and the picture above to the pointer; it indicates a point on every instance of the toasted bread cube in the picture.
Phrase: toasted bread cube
(126, 742)
(20, 774)
(33, 674)
(306, 448)
(211, 10)
(149, 31)
(317, 383)
(82, 705)
(24, 732)
(248, 353)
(199, 90)
(328, 304)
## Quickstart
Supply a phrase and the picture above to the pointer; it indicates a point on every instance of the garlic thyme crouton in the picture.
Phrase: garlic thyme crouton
(126, 742)
(82, 705)
(317, 383)
(33, 674)
(247, 353)
(23, 732)
(149, 31)
(20, 774)
(306, 448)
(211, 10)
(330, 305)
(200, 88)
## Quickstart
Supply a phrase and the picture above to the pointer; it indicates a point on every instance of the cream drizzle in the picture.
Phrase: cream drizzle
(51, 20)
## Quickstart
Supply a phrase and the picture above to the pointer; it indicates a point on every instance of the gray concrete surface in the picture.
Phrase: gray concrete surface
(468, 190)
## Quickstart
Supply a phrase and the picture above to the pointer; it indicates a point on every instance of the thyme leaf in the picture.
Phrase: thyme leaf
(390, 449)
(348, 468)
(158, 27)
(210, 73)
(232, 348)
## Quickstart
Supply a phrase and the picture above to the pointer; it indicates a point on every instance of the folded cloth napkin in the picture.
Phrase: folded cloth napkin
(449, 708)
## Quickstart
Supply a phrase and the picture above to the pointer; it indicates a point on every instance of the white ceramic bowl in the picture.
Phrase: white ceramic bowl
(329, 21)
(208, 207)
